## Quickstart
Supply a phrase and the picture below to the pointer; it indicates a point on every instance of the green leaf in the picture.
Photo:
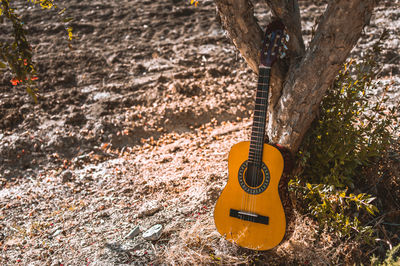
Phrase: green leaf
(66, 20)
(62, 11)
(33, 95)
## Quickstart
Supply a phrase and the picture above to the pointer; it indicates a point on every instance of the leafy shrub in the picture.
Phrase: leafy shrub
(392, 258)
(332, 208)
(351, 133)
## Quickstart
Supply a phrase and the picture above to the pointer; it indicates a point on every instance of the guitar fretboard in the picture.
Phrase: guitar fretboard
(259, 117)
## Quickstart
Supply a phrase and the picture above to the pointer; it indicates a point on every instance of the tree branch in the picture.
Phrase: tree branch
(305, 86)
(238, 20)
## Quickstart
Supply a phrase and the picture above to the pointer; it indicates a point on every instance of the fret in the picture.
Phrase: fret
(258, 132)
(255, 133)
(259, 119)
(259, 113)
(266, 78)
(258, 142)
(258, 124)
(257, 152)
(256, 139)
(262, 102)
(261, 94)
(261, 99)
(257, 149)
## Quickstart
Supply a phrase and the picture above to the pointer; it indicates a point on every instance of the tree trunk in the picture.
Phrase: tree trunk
(299, 83)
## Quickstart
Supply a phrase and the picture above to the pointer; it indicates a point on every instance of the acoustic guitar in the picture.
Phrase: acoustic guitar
(249, 211)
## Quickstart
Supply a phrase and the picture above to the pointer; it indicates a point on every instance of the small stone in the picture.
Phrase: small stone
(66, 176)
(57, 232)
(139, 253)
(154, 233)
(149, 208)
(134, 232)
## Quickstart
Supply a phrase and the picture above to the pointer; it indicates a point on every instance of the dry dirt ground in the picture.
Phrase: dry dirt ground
(133, 128)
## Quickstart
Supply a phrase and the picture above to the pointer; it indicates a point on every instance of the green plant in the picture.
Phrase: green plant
(336, 209)
(351, 133)
(392, 258)
(17, 55)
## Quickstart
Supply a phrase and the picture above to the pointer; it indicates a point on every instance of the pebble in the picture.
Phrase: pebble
(134, 232)
(149, 209)
(154, 233)
(66, 176)
(57, 232)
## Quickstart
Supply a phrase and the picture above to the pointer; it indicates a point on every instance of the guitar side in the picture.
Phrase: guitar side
(249, 234)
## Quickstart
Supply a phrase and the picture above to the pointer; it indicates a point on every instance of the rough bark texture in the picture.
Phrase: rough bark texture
(297, 93)
(238, 19)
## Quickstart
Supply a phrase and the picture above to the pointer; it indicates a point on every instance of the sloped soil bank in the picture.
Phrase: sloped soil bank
(133, 128)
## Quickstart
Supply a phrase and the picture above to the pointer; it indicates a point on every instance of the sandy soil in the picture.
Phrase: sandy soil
(133, 128)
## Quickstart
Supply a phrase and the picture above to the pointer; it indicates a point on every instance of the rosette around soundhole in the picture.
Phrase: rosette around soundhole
(258, 187)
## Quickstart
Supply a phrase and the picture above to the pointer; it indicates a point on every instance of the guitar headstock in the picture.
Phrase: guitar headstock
(275, 43)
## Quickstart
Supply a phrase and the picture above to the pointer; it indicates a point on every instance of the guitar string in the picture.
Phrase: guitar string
(262, 111)
(258, 133)
(257, 139)
(263, 100)
(253, 150)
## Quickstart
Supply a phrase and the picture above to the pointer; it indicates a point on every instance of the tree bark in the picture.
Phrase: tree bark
(299, 83)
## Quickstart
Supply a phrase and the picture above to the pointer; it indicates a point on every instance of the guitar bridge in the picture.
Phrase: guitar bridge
(247, 216)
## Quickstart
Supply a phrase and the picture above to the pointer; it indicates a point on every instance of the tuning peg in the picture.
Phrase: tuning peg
(282, 55)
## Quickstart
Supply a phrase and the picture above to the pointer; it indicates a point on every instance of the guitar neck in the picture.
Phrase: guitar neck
(259, 117)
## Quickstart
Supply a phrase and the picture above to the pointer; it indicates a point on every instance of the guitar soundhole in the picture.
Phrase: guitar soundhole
(254, 176)
(252, 180)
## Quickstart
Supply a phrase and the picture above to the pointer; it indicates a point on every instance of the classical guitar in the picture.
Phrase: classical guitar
(249, 211)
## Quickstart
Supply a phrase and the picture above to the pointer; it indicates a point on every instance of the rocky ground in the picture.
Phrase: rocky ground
(133, 128)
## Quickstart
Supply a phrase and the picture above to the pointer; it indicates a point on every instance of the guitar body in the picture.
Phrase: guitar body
(236, 208)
